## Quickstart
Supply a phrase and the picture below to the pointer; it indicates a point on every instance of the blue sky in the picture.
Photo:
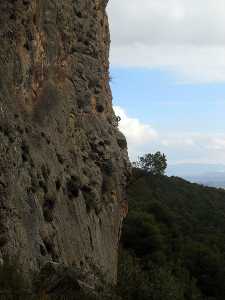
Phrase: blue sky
(157, 98)
(168, 77)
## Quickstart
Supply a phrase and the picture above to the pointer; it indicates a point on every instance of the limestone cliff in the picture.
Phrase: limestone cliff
(63, 162)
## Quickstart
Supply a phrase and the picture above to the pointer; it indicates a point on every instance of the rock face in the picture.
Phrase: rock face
(63, 162)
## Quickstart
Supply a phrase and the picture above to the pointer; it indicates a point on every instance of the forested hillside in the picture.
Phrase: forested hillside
(173, 242)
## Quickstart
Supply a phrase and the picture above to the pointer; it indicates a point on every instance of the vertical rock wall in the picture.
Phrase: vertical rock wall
(63, 163)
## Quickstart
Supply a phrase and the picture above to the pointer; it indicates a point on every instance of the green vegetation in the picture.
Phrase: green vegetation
(12, 283)
(173, 240)
(172, 244)
(155, 164)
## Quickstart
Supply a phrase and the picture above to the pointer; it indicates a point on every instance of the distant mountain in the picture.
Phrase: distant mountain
(193, 169)
(207, 174)
(214, 179)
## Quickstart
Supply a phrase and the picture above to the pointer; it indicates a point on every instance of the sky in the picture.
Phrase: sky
(168, 77)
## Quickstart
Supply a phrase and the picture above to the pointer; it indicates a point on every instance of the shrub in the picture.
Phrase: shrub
(141, 234)
(12, 282)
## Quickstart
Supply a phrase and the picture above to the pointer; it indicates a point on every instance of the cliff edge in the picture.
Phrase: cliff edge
(63, 162)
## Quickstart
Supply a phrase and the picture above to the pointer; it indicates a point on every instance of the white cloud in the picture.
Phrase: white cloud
(186, 36)
(194, 147)
(217, 144)
(177, 141)
(137, 133)
(189, 147)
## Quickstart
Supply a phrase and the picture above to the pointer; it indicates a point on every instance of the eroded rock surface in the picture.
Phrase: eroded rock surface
(63, 163)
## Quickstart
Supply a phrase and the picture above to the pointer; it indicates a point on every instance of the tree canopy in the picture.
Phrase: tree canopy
(173, 240)
(154, 163)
